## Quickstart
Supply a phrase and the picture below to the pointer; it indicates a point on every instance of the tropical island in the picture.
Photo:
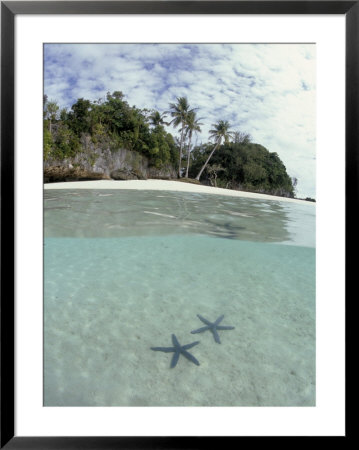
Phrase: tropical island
(109, 139)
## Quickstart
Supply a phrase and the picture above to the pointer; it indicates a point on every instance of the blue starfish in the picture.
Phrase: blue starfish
(178, 350)
(212, 327)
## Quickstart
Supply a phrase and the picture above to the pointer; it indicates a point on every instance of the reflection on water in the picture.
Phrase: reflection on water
(119, 213)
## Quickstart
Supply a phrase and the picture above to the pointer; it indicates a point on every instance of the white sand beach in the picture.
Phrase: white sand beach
(165, 185)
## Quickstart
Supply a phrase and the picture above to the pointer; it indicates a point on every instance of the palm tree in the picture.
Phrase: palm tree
(179, 111)
(156, 118)
(220, 131)
(192, 124)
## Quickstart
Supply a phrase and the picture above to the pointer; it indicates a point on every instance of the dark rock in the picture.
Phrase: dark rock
(126, 174)
(60, 173)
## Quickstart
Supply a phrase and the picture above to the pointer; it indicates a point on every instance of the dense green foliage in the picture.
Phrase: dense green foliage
(112, 122)
(245, 166)
(231, 161)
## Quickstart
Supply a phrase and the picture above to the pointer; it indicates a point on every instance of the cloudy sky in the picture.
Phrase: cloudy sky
(266, 90)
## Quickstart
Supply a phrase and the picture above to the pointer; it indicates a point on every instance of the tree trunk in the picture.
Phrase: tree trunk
(180, 155)
(205, 164)
(188, 155)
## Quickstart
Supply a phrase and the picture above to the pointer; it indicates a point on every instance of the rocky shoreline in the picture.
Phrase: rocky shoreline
(104, 164)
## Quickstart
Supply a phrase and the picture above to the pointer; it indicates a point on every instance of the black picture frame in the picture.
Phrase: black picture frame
(9, 9)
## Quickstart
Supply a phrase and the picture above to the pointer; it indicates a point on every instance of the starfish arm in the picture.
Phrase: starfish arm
(188, 346)
(199, 330)
(224, 327)
(190, 357)
(207, 322)
(163, 349)
(218, 320)
(175, 359)
(215, 335)
(175, 341)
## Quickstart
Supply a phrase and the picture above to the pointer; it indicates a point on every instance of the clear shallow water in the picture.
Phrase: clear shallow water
(126, 269)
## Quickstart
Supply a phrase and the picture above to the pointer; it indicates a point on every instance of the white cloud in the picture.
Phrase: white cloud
(267, 90)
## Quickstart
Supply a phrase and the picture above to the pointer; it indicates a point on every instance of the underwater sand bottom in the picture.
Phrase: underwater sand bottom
(107, 301)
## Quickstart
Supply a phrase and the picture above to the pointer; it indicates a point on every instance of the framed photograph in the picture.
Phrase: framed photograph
(175, 185)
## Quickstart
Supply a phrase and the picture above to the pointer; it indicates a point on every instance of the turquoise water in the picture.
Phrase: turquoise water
(123, 270)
